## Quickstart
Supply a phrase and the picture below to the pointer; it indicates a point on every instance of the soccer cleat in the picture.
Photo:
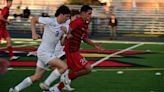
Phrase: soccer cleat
(14, 58)
(12, 90)
(68, 88)
(44, 86)
(33, 53)
(66, 81)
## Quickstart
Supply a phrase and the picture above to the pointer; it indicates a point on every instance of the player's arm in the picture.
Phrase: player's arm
(91, 43)
(64, 36)
(5, 20)
(34, 21)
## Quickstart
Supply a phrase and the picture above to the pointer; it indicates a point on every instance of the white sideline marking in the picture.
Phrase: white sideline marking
(96, 70)
(118, 52)
(127, 42)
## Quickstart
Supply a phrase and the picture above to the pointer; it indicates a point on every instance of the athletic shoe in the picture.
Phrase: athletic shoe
(52, 89)
(44, 86)
(12, 90)
(14, 58)
(68, 88)
(33, 53)
(66, 81)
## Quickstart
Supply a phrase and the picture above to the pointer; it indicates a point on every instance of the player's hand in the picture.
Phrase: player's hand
(64, 29)
(35, 36)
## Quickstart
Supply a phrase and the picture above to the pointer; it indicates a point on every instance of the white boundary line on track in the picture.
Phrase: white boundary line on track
(105, 70)
(116, 53)
(128, 42)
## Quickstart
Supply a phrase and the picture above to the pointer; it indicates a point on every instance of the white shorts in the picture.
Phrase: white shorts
(42, 65)
(44, 58)
(59, 53)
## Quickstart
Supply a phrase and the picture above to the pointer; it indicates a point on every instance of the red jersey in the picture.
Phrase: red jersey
(5, 14)
(79, 31)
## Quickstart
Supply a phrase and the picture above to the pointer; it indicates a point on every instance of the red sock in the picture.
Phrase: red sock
(72, 75)
(10, 49)
(60, 86)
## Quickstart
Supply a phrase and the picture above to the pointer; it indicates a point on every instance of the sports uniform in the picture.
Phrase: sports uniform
(3, 32)
(59, 50)
(51, 36)
(75, 61)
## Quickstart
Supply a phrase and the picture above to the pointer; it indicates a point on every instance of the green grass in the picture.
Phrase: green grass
(105, 79)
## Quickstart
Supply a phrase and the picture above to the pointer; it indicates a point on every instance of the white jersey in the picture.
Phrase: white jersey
(51, 36)
(59, 50)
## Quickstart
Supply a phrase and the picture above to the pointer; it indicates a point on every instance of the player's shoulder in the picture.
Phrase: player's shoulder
(77, 21)
(5, 9)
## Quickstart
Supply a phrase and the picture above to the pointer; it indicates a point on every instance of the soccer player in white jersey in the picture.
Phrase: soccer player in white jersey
(46, 51)
(60, 53)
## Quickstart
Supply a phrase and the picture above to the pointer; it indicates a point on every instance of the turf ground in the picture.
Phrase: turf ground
(139, 67)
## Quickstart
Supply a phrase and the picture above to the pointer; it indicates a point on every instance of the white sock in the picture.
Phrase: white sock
(24, 84)
(53, 76)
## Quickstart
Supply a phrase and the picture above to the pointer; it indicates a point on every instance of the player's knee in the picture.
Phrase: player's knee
(35, 78)
(63, 68)
(88, 69)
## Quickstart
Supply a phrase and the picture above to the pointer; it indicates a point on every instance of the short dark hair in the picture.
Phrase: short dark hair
(62, 10)
(74, 12)
(85, 8)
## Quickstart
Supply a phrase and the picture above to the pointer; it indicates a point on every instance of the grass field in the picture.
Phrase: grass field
(139, 67)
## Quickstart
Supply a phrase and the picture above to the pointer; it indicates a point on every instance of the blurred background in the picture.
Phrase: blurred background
(137, 19)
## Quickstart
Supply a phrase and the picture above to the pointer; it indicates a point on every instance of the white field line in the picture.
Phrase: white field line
(97, 70)
(116, 53)
(132, 69)
(127, 42)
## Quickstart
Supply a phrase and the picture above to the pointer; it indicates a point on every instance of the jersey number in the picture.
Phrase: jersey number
(57, 33)
(83, 61)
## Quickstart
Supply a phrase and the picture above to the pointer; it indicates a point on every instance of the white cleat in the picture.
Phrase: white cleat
(33, 53)
(44, 86)
(66, 81)
(12, 90)
(14, 58)
(68, 88)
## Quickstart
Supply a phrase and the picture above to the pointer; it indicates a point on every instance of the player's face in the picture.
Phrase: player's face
(65, 17)
(88, 15)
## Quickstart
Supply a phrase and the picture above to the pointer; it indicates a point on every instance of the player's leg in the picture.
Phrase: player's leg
(79, 67)
(60, 68)
(71, 76)
(45, 85)
(114, 32)
(28, 80)
(9, 46)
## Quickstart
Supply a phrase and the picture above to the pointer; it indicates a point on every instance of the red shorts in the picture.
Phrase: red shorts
(75, 61)
(4, 34)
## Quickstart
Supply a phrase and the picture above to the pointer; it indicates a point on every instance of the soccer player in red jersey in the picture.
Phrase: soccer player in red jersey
(77, 64)
(3, 31)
